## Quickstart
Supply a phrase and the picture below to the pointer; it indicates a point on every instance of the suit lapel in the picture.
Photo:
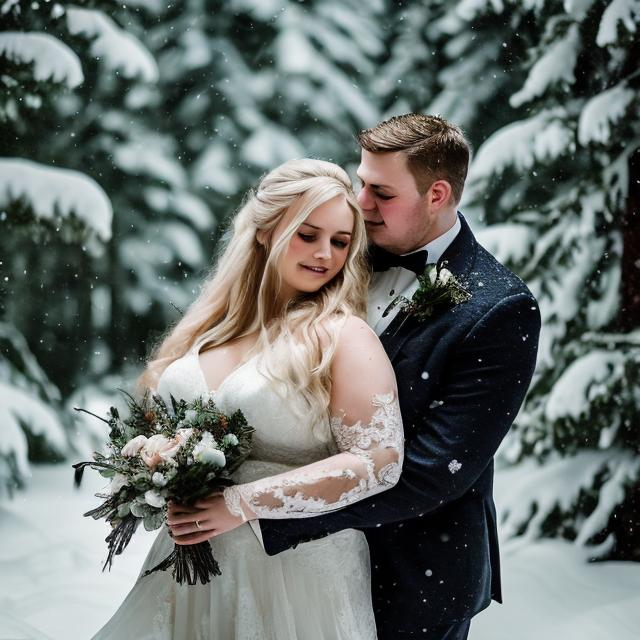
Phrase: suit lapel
(459, 257)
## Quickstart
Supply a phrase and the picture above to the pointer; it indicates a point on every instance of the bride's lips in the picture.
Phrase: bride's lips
(317, 270)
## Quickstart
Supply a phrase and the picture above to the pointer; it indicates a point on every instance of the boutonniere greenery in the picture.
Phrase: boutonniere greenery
(438, 287)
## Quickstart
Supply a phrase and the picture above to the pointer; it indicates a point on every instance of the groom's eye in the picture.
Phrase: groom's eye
(382, 196)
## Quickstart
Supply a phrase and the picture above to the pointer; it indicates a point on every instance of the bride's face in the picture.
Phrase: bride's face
(318, 249)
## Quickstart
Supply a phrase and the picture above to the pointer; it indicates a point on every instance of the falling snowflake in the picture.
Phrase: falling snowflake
(455, 466)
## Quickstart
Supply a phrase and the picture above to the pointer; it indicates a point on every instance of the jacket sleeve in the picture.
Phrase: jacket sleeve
(484, 384)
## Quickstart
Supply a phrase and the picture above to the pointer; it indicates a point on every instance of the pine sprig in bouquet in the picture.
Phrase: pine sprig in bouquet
(156, 456)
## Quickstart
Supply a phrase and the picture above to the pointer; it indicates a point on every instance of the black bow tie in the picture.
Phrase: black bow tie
(382, 260)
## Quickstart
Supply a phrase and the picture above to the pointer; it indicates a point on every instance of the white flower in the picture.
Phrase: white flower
(445, 275)
(190, 415)
(230, 440)
(158, 479)
(206, 451)
(183, 434)
(133, 446)
(214, 456)
(433, 274)
(153, 498)
(117, 482)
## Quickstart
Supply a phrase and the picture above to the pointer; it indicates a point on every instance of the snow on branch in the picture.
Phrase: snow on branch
(17, 408)
(523, 143)
(626, 12)
(52, 192)
(52, 59)
(470, 9)
(28, 370)
(151, 157)
(213, 170)
(578, 9)
(270, 145)
(556, 64)
(581, 382)
(119, 49)
(602, 111)
(625, 471)
(509, 242)
(559, 482)
(182, 204)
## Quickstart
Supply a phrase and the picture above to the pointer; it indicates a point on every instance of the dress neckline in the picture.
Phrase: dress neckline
(195, 353)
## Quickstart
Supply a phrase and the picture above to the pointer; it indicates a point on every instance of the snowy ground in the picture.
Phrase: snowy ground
(52, 587)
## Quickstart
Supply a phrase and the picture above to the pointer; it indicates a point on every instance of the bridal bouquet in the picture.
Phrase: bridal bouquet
(155, 456)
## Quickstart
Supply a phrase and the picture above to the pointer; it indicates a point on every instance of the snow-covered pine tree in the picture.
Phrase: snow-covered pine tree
(558, 187)
(261, 82)
(36, 200)
(406, 77)
(74, 80)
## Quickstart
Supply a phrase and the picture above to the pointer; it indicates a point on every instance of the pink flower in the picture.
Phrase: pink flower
(133, 446)
(159, 448)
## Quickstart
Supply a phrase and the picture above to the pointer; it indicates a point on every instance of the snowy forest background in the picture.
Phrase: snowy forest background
(130, 132)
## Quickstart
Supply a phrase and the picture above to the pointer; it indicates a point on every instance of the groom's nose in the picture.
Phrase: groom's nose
(365, 200)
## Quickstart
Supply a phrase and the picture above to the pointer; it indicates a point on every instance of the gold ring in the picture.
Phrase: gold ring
(198, 524)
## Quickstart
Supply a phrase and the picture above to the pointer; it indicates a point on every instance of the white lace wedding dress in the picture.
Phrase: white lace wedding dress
(318, 591)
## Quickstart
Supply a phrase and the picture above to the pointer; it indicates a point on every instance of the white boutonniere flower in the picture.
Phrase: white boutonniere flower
(438, 287)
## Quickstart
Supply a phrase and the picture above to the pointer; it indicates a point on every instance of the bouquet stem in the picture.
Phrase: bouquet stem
(120, 537)
(191, 563)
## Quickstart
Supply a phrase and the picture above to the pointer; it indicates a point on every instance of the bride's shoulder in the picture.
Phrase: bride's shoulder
(355, 328)
(360, 369)
(357, 341)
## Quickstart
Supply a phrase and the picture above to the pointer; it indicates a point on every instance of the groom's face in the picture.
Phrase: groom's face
(397, 217)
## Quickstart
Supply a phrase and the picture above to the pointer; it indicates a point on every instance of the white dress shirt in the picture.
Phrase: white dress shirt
(387, 285)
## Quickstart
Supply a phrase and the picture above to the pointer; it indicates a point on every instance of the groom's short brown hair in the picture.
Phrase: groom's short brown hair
(435, 149)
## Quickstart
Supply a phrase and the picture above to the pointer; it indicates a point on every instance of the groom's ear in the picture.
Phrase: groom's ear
(439, 194)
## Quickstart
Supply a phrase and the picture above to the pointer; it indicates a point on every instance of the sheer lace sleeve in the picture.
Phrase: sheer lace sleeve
(368, 435)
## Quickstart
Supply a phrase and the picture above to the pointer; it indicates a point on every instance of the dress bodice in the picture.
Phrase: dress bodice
(281, 434)
(302, 472)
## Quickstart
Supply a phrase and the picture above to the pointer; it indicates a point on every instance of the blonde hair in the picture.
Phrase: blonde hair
(240, 295)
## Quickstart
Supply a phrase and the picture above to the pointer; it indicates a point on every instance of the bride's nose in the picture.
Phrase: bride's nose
(323, 251)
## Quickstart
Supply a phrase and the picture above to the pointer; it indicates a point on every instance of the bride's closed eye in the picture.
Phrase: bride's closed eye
(340, 244)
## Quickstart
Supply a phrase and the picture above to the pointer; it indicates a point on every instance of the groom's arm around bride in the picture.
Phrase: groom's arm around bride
(462, 375)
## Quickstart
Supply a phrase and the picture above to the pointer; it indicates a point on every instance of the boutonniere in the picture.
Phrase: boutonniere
(437, 287)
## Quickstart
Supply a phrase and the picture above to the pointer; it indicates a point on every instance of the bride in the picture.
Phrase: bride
(277, 332)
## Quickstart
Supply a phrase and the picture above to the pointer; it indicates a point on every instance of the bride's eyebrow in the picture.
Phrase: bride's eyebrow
(313, 226)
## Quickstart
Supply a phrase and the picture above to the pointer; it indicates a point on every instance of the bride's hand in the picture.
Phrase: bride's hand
(211, 514)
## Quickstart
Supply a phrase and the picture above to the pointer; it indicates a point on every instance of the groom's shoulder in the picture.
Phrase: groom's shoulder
(493, 280)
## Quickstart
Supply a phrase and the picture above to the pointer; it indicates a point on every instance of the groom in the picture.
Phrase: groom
(462, 375)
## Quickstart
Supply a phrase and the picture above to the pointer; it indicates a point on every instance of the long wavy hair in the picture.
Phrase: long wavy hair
(296, 340)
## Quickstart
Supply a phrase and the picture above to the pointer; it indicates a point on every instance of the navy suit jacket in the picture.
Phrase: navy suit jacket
(462, 376)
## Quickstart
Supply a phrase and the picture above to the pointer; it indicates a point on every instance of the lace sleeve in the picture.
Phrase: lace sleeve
(370, 461)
